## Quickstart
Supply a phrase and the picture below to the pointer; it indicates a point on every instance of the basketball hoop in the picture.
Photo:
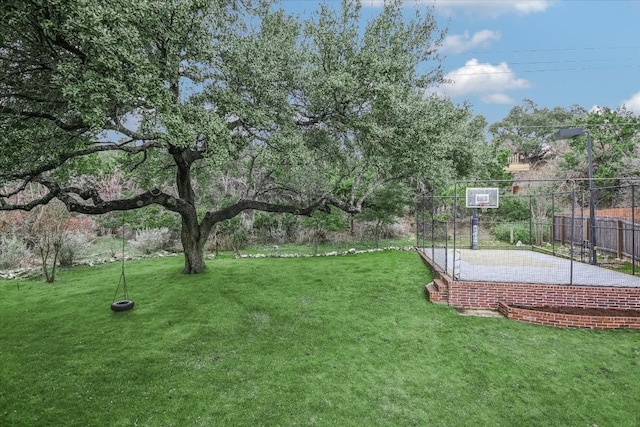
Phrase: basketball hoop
(483, 198)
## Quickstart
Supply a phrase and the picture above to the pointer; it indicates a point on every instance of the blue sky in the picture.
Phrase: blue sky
(556, 53)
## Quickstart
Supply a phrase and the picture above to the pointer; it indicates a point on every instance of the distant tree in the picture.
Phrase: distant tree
(277, 111)
(321, 223)
(46, 230)
(527, 129)
(615, 136)
(385, 206)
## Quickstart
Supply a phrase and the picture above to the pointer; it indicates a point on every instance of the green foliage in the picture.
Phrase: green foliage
(320, 223)
(217, 108)
(385, 205)
(502, 232)
(513, 209)
(150, 217)
(271, 227)
(527, 129)
(234, 233)
(335, 220)
(614, 135)
(94, 165)
(265, 223)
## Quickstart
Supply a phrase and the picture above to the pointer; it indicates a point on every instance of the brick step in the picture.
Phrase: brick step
(435, 296)
(441, 286)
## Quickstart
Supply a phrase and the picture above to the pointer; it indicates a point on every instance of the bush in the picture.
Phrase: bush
(73, 245)
(14, 252)
(502, 232)
(150, 240)
(513, 208)
(370, 229)
(149, 217)
(232, 234)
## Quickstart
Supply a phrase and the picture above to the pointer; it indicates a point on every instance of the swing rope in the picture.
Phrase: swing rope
(123, 278)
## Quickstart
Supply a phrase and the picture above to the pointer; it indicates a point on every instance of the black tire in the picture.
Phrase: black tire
(122, 305)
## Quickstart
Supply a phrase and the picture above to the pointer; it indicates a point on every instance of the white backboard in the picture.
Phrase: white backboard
(483, 197)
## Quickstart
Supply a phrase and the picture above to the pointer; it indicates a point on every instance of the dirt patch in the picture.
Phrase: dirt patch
(611, 312)
(478, 312)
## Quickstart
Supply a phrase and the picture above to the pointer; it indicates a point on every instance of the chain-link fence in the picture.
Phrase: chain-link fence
(533, 218)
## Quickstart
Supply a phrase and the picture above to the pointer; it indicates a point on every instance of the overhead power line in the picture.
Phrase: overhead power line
(620, 62)
(548, 70)
(528, 51)
(562, 61)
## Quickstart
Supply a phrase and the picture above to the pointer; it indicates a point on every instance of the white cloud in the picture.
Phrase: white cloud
(633, 103)
(497, 98)
(487, 81)
(458, 43)
(495, 8)
(485, 8)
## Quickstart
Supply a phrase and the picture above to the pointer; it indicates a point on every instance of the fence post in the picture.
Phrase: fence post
(573, 217)
(418, 220)
(552, 233)
(633, 229)
(530, 222)
(433, 226)
(619, 239)
(455, 232)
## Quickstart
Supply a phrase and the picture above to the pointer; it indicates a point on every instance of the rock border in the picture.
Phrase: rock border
(33, 272)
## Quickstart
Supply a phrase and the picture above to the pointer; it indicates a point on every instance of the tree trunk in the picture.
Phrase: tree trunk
(194, 259)
(193, 244)
(193, 236)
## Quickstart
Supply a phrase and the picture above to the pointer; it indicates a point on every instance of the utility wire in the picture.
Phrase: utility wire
(528, 51)
(547, 70)
(560, 62)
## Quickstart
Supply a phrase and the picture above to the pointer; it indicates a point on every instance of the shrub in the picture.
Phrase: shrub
(521, 233)
(150, 240)
(149, 217)
(74, 244)
(370, 229)
(14, 252)
(513, 209)
(232, 234)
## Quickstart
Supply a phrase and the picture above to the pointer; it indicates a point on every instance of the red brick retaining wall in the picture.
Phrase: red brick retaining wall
(502, 296)
(489, 294)
(563, 320)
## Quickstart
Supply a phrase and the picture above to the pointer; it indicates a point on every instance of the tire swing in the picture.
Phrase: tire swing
(123, 304)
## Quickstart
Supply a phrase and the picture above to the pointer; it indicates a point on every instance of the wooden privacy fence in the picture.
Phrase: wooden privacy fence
(613, 235)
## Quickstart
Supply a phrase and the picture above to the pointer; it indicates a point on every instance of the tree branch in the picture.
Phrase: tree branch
(116, 126)
(71, 196)
(46, 116)
(64, 157)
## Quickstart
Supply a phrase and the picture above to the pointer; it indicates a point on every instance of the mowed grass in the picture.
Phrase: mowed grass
(332, 341)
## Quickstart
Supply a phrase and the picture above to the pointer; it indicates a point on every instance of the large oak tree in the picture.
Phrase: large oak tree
(302, 115)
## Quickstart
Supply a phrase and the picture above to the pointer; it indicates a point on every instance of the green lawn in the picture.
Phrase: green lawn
(333, 341)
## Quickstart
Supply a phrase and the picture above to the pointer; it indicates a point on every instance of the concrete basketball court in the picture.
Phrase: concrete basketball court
(525, 266)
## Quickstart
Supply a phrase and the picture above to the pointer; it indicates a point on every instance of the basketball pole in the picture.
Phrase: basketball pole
(474, 229)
